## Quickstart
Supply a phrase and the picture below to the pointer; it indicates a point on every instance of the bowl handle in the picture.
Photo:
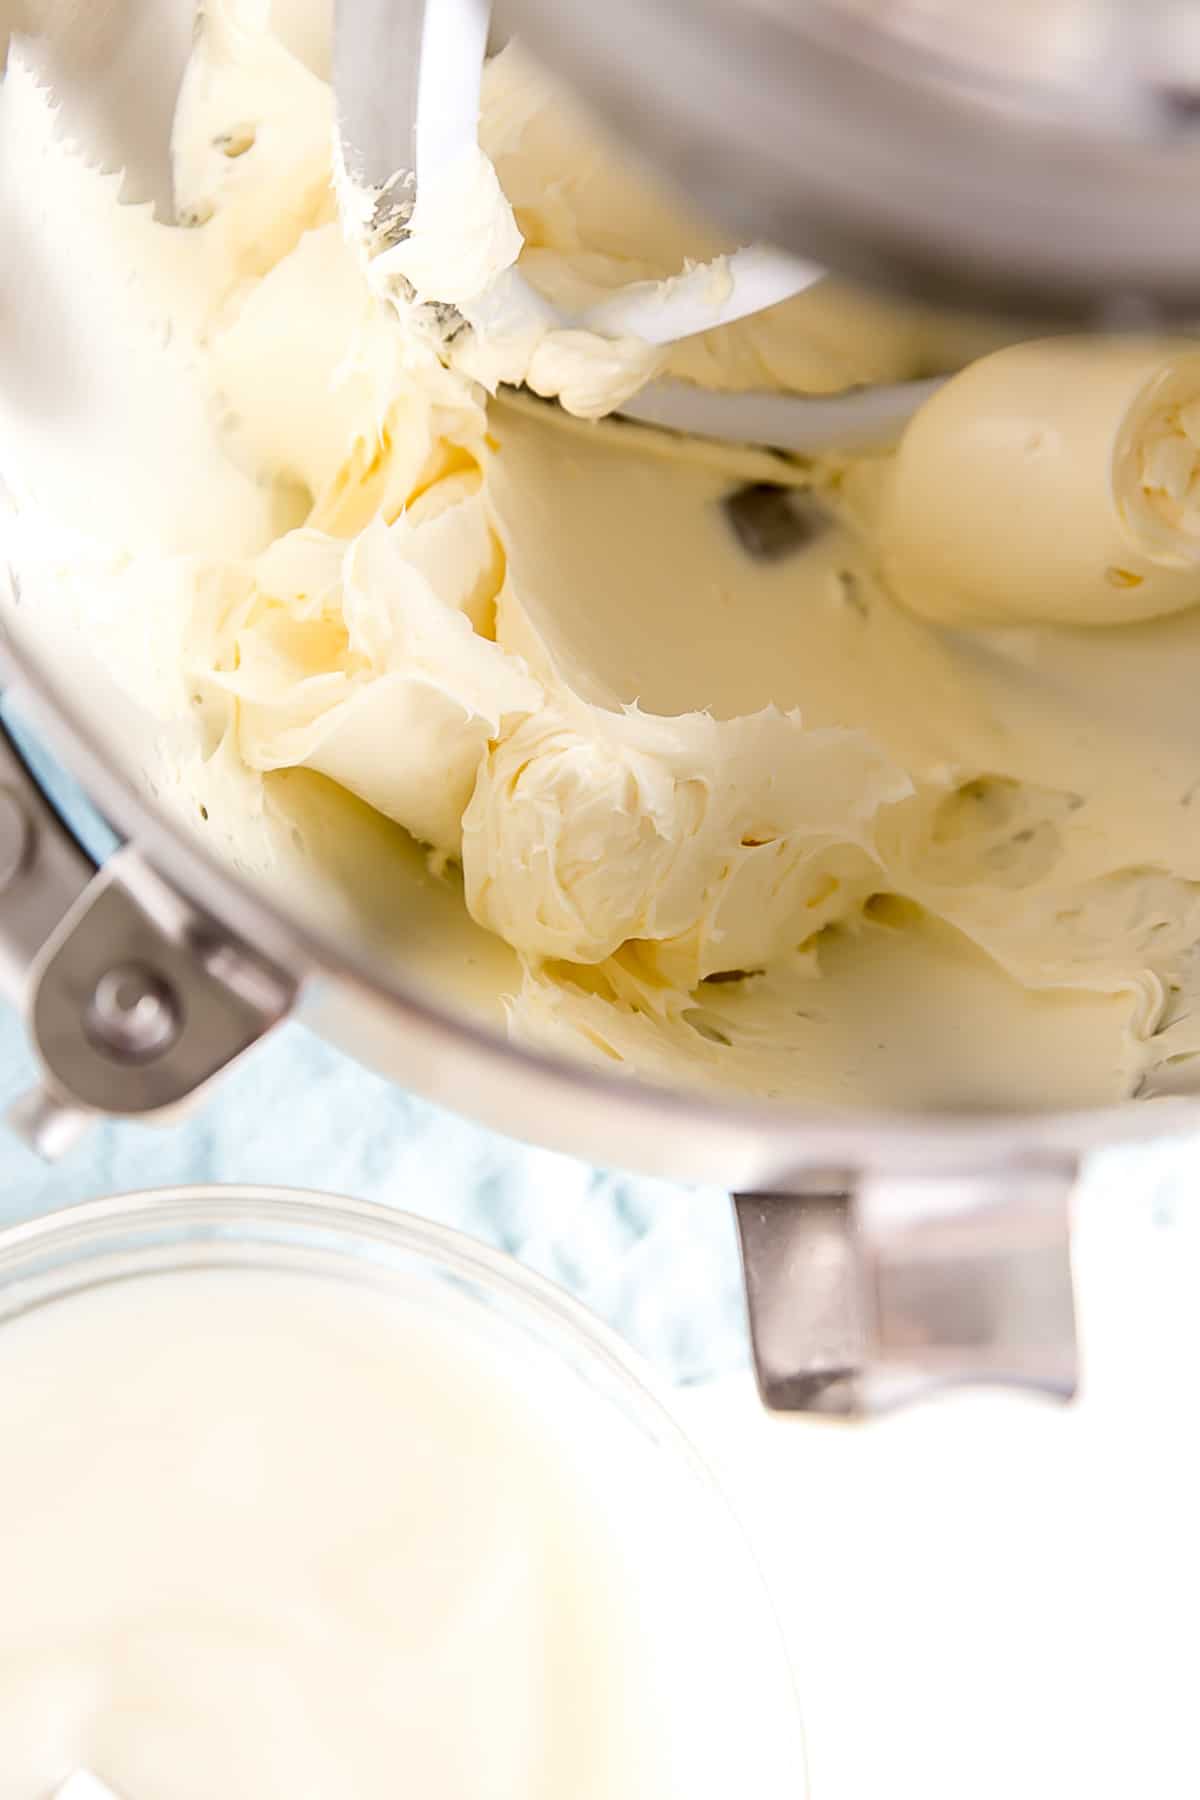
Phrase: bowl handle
(134, 997)
(867, 1291)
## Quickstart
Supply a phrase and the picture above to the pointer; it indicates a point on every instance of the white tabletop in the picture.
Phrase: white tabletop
(989, 1596)
(985, 1597)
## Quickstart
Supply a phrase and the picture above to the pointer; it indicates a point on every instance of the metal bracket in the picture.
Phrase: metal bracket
(867, 1292)
(134, 996)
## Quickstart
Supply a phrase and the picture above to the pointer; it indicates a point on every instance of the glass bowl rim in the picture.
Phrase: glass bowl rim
(54, 1241)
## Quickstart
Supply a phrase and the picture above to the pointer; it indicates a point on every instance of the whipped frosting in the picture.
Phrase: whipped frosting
(346, 661)
(905, 816)
(281, 1532)
(590, 828)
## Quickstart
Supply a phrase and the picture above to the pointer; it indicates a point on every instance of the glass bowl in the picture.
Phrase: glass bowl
(724, 1673)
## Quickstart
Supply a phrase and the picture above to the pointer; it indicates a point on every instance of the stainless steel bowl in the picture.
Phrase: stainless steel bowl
(884, 1252)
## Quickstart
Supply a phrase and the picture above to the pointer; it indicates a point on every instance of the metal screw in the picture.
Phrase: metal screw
(134, 1013)
(49, 1127)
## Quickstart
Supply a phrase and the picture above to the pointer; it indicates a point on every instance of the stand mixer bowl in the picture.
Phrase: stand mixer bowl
(885, 1253)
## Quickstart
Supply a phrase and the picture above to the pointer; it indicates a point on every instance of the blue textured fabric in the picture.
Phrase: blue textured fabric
(658, 1262)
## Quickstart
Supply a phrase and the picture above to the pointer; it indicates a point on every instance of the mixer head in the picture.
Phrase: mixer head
(1037, 156)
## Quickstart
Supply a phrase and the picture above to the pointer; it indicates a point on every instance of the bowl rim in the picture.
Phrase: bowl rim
(148, 1213)
(740, 1140)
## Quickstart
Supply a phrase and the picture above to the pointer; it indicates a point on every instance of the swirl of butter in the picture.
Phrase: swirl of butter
(1052, 482)
(345, 661)
(588, 829)
(574, 840)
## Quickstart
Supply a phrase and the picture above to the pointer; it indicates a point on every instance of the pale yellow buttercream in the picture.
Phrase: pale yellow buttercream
(906, 816)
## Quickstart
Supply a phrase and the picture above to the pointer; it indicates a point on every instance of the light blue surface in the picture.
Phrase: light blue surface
(658, 1262)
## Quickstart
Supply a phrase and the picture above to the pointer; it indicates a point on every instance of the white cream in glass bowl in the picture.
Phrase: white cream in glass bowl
(305, 1497)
